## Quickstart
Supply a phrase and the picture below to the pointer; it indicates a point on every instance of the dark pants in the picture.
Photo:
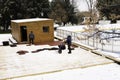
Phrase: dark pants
(60, 49)
(69, 48)
(31, 41)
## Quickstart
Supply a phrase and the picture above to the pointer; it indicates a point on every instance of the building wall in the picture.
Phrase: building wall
(15, 31)
(37, 28)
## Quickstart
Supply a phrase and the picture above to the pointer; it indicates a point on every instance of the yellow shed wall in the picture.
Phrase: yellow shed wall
(37, 28)
(15, 31)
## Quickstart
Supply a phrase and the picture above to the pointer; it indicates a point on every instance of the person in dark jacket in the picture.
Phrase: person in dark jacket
(31, 37)
(69, 41)
(61, 47)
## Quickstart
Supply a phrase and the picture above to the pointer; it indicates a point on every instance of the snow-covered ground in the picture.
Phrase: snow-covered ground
(49, 65)
(102, 72)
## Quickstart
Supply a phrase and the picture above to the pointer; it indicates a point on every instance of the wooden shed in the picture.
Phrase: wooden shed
(42, 28)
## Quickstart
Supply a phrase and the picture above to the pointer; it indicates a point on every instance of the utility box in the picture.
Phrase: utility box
(41, 27)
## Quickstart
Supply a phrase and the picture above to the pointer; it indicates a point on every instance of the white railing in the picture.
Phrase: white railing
(112, 45)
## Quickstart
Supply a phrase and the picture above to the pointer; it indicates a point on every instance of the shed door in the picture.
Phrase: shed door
(23, 33)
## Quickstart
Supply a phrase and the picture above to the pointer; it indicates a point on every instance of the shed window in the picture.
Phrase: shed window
(45, 28)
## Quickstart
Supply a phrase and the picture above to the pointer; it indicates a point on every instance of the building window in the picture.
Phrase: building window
(45, 28)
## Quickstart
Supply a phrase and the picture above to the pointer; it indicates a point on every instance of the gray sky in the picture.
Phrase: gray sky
(81, 5)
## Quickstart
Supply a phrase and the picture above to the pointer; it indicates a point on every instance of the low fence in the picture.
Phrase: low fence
(111, 46)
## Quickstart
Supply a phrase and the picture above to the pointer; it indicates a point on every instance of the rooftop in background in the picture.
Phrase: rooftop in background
(30, 20)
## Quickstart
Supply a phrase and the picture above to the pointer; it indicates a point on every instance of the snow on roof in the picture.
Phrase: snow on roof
(73, 28)
(56, 25)
(102, 72)
(104, 22)
(80, 28)
(30, 20)
(118, 21)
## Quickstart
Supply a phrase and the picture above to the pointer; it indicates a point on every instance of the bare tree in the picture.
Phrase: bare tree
(91, 28)
(93, 18)
(92, 32)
